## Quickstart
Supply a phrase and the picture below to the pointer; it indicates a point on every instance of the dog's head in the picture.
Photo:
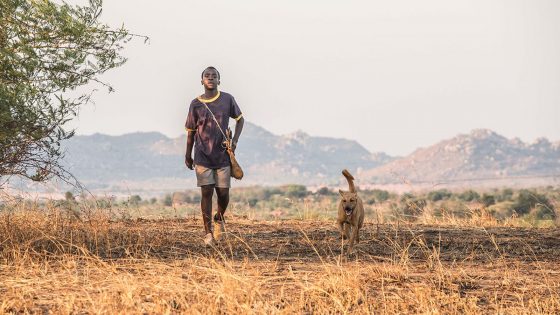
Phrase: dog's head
(349, 201)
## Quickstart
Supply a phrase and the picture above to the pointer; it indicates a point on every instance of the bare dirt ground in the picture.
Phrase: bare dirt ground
(308, 241)
(160, 266)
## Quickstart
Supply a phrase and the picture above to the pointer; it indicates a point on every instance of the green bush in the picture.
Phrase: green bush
(380, 195)
(542, 213)
(469, 196)
(506, 195)
(324, 191)
(167, 200)
(501, 210)
(528, 200)
(48, 50)
(135, 200)
(69, 196)
(252, 202)
(295, 191)
(488, 200)
(438, 195)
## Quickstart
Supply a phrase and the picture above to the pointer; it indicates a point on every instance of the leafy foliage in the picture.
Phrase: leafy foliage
(380, 195)
(324, 191)
(488, 200)
(46, 51)
(168, 200)
(296, 191)
(506, 195)
(438, 195)
(135, 200)
(469, 195)
(528, 200)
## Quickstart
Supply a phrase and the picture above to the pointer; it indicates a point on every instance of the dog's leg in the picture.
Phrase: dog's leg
(341, 229)
(346, 231)
(352, 239)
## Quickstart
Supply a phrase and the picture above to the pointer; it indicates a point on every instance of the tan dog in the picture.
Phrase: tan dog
(350, 213)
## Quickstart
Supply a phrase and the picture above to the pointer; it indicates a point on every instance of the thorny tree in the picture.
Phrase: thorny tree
(48, 49)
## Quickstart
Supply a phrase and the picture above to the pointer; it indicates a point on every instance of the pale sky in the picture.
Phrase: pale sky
(393, 75)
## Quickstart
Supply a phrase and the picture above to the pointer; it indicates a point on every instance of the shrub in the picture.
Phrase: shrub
(380, 195)
(296, 191)
(469, 195)
(324, 191)
(488, 200)
(438, 195)
(528, 200)
(542, 213)
(135, 199)
(68, 196)
(47, 49)
(506, 195)
(252, 202)
(167, 200)
(502, 210)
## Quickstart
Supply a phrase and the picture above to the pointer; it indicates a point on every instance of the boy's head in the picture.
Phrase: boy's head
(210, 78)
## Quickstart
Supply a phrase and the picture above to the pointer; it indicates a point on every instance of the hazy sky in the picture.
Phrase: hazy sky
(393, 75)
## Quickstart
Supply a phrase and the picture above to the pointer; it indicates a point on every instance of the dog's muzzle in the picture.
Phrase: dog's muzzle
(348, 211)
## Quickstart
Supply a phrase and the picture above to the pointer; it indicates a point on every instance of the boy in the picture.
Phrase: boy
(211, 161)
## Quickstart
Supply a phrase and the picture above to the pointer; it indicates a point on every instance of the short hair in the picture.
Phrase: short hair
(209, 68)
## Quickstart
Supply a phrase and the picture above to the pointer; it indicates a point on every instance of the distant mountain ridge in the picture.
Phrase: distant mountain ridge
(479, 154)
(267, 159)
(154, 160)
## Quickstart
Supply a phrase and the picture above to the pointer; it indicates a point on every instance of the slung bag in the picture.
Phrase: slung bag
(236, 171)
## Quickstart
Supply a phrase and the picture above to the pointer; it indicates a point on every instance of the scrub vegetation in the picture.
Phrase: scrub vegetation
(438, 252)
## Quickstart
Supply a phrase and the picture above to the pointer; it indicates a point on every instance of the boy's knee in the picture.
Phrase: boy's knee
(222, 192)
(207, 191)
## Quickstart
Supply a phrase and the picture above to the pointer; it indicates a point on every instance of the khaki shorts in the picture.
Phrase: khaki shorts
(220, 177)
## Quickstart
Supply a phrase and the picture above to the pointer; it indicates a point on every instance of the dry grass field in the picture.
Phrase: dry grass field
(53, 263)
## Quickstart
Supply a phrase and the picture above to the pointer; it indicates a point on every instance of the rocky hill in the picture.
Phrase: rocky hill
(268, 159)
(154, 162)
(481, 154)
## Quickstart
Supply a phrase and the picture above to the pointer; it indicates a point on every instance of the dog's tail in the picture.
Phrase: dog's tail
(350, 180)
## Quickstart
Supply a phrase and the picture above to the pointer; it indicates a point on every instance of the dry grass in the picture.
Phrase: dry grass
(53, 262)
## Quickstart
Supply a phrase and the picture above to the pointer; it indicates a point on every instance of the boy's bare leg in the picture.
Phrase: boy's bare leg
(223, 201)
(206, 206)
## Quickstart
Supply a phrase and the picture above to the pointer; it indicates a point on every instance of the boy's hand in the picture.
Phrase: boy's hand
(189, 162)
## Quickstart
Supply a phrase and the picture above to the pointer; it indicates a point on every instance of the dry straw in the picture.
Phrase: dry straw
(53, 261)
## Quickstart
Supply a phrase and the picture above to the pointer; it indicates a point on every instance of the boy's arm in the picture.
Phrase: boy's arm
(188, 155)
(238, 128)
(190, 127)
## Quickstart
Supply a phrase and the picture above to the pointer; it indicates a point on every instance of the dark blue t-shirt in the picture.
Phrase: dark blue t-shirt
(209, 150)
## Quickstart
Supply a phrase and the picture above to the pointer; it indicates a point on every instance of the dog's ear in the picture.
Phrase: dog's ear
(341, 192)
